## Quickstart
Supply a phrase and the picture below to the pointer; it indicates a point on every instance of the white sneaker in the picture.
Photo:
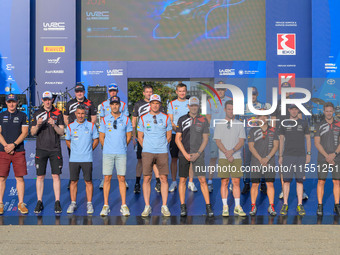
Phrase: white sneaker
(192, 186)
(239, 211)
(231, 187)
(101, 185)
(147, 211)
(304, 196)
(173, 186)
(165, 211)
(105, 211)
(127, 185)
(125, 210)
(281, 195)
(225, 211)
(89, 208)
(71, 208)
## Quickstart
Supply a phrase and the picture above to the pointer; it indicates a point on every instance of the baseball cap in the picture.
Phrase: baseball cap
(113, 86)
(194, 101)
(47, 95)
(114, 99)
(11, 97)
(155, 97)
(285, 85)
(79, 87)
(255, 91)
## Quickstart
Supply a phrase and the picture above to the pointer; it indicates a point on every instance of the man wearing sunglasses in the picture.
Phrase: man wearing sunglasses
(48, 126)
(154, 134)
(229, 136)
(263, 143)
(115, 134)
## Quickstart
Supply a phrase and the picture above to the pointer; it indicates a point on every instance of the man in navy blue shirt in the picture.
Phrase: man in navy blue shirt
(13, 130)
(82, 139)
(154, 134)
(115, 135)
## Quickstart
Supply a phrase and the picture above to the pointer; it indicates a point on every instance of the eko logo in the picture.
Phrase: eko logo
(286, 44)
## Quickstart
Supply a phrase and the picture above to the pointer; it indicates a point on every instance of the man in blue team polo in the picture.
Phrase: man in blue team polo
(82, 139)
(154, 134)
(115, 135)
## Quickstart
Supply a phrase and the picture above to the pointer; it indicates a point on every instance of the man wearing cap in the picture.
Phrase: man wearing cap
(115, 135)
(293, 157)
(192, 137)
(140, 108)
(13, 130)
(82, 139)
(80, 99)
(246, 152)
(48, 126)
(215, 111)
(154, 134)
(105, 109)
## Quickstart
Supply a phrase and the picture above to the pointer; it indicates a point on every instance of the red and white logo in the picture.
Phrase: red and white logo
(286, 44)
(286, 80)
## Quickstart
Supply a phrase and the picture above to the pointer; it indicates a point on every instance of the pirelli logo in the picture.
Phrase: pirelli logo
(54, 49)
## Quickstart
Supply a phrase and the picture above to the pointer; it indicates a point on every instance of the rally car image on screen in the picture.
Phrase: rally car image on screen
(187, 17)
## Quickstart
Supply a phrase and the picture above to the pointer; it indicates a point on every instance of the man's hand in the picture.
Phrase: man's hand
(194, 157)
(231, 159)
(307, 159)
(280, 160)
(264, 161)
(9, 148)
(228, 153)
(330, 157)
(187, 156)
(39, 121)
(51, 122)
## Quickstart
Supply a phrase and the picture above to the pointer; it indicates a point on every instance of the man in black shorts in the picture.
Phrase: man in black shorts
(13, 130)
(142, 107)
(327, 142)
(294, 133)
(48, 126)
(192, 136)
(82, 139)
(263, 143)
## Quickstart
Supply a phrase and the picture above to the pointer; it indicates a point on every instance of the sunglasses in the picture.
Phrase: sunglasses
(154, 119)
(115, 124)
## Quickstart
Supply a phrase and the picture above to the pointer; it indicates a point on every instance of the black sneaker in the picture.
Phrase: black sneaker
(39, 207)
(209, 210)
(246, 188)
(183, 210)
(263, 188)
(57, 207)
(319, 211)
(337, 209)
(158, 187)
(137, 188)
(253, 210)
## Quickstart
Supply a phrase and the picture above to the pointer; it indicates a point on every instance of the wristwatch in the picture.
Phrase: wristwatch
(199, 153)
(309, 153)
(15, 145)
(336, 153)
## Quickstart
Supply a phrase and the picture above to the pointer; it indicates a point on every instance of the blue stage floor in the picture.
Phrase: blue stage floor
(195, 205)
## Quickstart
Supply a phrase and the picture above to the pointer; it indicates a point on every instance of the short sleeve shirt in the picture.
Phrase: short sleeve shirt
(230, 136)
(177, 109)
(154, 129)
(81, 136)
(192, 130)
(263, 143)
(115, 133)
(329, 138)
(11, 126)
(47, 138)
(294, 134)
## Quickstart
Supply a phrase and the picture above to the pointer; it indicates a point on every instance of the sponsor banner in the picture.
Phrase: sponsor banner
(240, 69)
(286, 80)
(14, 46)
(55, 45)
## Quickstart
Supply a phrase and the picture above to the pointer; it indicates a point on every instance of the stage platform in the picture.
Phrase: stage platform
(194, 200)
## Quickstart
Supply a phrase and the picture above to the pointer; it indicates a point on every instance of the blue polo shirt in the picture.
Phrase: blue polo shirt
(177, 109)
(106, 109)
(81, 136)
(115, 139)
(154, 133)
(216, 110)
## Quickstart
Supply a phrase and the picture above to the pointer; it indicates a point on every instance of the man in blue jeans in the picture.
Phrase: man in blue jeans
(115, 135)
(81, 138)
